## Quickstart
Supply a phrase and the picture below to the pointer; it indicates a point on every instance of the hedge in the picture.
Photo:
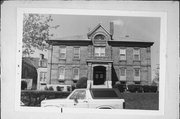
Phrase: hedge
(34, 98)
(135, 88)
(120, 87)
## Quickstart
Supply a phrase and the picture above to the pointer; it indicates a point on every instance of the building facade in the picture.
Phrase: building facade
(100, 58)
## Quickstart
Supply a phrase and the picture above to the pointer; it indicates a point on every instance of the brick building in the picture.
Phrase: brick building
(99, 57)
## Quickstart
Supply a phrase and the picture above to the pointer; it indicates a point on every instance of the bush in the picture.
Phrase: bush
(46, 88)
(34, 97)
(132, 88)
(135, 88)
(82, 83)
(146, 88)
(23, 85)
(153, 89)
(51, 88)
(58, 88)
(120, 87)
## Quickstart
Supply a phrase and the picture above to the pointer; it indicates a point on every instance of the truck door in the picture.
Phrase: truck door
(79, 99)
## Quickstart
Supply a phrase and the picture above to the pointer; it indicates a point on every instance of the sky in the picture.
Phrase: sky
(138, 28)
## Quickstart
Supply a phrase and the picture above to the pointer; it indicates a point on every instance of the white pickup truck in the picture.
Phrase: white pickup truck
(89, 98)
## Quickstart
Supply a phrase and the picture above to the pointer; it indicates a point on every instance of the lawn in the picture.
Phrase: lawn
(145, 101)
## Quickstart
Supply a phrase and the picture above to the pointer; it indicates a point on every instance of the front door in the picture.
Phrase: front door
(99, 75)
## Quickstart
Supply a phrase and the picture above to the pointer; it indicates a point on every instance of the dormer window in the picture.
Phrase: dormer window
(99, 37)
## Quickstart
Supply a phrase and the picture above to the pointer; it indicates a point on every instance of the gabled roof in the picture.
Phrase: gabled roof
(74, 37)
(34, 62)
(96, 28)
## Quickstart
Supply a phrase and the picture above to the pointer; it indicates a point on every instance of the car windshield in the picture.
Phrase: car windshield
(78, 94)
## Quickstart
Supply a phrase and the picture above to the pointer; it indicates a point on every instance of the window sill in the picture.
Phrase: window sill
(76, 59)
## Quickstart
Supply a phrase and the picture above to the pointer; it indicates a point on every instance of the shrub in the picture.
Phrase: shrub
(68, 88)
(23, 85)
(132, 88)
(46, 88)
(58, 88)
(120, 87)
(146, 88)
(153, 89)
(135, 88)
(51, 88)
(82, 83)
(34, 97)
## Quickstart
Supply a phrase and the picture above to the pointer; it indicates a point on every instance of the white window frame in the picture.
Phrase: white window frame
(75, 55)
(64, 52)
(122, 77)
(61, 76)
(137, 78)
(136, 51)
(75, 78)
(42, 77)
(98, 51)
(122, 54)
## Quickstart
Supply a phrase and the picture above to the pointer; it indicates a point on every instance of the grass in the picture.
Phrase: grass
(142, 101)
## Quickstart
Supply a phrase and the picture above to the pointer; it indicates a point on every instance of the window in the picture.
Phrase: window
(76, 52)
(136, 53)
(43, 76)
(136, 74)
(99, 37)
(99, 51)
(61, 73)
(122, 74)
(122, 54)
(62, 52)
(42, 63)
(79, 94)
(76, 73)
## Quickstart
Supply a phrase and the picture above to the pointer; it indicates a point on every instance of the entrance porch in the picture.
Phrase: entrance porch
(99, 74)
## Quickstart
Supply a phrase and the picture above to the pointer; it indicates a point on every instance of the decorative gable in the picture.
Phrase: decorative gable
(99, 35)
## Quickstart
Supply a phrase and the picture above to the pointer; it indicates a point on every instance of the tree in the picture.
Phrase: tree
(156, 78)
(36, 32)
(82, 83)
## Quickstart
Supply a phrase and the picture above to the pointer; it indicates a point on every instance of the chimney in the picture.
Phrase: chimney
(111, 29)
(41, 56)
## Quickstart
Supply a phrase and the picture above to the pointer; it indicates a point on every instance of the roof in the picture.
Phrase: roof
(74, 37)
(32, 61)
(95, 29)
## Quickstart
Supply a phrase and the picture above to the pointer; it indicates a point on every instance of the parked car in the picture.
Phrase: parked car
(89, 98)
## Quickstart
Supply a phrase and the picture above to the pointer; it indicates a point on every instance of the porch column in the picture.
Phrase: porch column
(109, 75)
(89, 75)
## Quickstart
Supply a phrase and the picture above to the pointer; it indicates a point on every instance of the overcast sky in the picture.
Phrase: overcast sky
(137, 28)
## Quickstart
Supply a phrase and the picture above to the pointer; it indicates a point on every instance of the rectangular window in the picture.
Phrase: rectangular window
(76, 73)
(99, 51)
(136, 53)
(136, 74)
(43, 76)
(122, 74)
(122, 54)
(76, 52)
(61, 73)
(62, 53)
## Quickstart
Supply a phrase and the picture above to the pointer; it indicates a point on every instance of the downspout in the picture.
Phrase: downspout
(51, 62)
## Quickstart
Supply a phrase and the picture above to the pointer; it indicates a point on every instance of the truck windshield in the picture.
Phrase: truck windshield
(104, 94)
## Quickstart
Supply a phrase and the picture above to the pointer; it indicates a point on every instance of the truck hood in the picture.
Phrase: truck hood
(53, 102)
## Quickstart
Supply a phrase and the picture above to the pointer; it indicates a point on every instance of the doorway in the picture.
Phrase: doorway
(99, 75)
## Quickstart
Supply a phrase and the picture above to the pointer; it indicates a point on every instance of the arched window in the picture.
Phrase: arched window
(99, 37)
